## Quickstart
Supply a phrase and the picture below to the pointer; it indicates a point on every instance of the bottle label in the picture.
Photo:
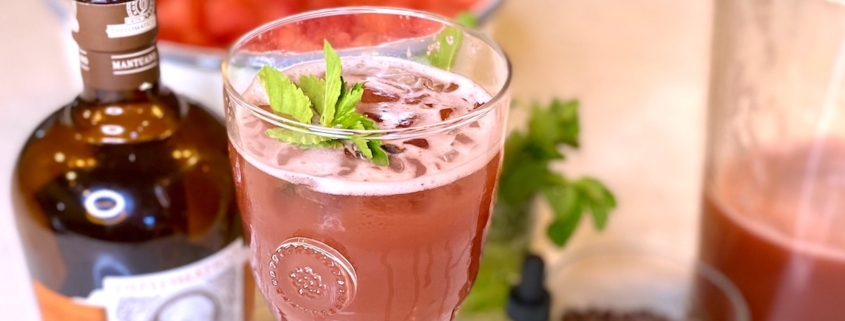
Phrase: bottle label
(140, 18)
(117, 44)
(210, 289)
(119, 71)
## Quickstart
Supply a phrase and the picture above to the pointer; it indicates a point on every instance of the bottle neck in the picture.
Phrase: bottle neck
(118, 56)
(115, 77)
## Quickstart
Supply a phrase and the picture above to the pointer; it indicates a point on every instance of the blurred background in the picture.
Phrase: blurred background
(639, 69)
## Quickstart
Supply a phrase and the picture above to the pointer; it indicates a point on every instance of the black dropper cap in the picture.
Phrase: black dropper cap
(529, 300)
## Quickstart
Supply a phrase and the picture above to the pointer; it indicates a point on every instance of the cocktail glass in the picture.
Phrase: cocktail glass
(325, 246)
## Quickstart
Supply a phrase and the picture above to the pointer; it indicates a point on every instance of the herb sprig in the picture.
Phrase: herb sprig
(449, 41)
(526, 174)
(330, 98)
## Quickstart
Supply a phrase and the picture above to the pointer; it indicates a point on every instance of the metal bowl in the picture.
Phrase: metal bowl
(208, 58)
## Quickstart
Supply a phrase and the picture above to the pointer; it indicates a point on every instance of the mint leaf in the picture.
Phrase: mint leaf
(285, 98)
(302, 140)
(347, 102)
(380, 157)
(333, 84)
(467, 19)
(599, 199)
(362, 146)
(566, 114)
(315, 89)
(523, 181)
(565, 202)
(331, 98)
(449, 41)
(526, 174)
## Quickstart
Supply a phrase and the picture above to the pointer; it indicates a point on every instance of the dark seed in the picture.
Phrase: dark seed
(348, 153)
(392, 149)
(452, 87)
(360, 154)
(478, 104)
(419, 142)
(445, 113)
(406, 122)
(374, 117)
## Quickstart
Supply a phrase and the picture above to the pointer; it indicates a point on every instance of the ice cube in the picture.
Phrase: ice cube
(445, 113)
(463, 139)
(409, 80)
(419, 142)
(392, 149)
(433, 85)
(375, 117)
(283, 157)
(406, 121)
(255, 147)
(416, 100)
(419, 168)
(450, 156)
(396, 164)
(378, 96)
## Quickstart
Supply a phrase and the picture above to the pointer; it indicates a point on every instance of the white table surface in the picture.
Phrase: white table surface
(639, 68)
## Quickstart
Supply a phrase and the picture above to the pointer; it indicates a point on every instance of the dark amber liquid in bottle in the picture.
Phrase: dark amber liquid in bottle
(156, 167)
(123, 182)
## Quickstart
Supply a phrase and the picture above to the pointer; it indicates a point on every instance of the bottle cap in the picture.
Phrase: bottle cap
(529, 300)
(117, 48)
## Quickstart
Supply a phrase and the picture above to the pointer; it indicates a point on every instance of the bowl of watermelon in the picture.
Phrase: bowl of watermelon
(196, 33)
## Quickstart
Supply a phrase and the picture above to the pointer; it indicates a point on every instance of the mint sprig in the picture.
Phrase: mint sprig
(331, 98)
(449, 41)
(526, 174)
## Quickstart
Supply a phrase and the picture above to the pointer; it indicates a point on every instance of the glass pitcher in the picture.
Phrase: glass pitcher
(774, 195)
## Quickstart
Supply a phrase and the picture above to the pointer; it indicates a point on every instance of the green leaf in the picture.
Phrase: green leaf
(523, 181)
(330, 98)
(544, 132)
(301, 139)
(348, 101)
(599, 198)
(362, 146)
(514, 146)
(285, 98)
(467, 19)
(379, 155)
(566, 114)
(315, 89)
(449, 41)
(566, 204)
(501, 263)
(333, 84)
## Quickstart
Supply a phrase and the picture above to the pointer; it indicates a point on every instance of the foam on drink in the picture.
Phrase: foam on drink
(398, 94)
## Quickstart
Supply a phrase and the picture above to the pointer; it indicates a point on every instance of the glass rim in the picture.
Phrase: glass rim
(382, 134)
